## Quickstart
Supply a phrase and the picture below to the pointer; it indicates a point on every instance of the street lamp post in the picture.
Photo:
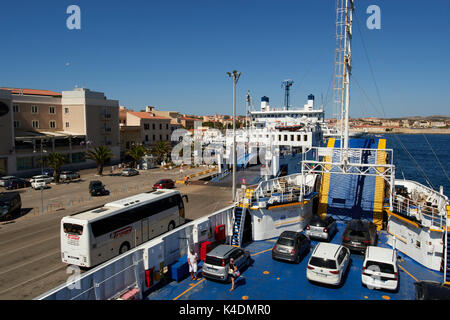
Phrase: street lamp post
(42, 173)
(235, 75)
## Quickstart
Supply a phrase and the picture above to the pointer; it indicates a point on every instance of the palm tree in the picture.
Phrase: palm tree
(161, 149)
(101, 155)
(136, 152)
(56, 160)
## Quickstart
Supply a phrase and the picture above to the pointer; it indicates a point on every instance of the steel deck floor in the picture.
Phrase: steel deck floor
(267, 279)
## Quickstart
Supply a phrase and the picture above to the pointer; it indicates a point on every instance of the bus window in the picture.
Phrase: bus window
(71, 228)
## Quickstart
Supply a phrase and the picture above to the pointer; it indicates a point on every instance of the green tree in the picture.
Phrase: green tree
(161, 150)
(56, 160)
(100, 155)
(136, 152)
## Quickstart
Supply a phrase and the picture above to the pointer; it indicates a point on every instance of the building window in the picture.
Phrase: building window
(160, 137)
(146, 137)
(154, 138)
(160, 126)
(146, 126)
(66, 110)
(51, 110)
(153, 126)
(16, 124)
(167, 126)
(35, 124)
(67, 124)
(167, 137)
(53, 124)
(34, 109)
(15, 108)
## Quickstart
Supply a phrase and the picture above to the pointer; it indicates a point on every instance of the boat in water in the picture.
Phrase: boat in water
(347, 179)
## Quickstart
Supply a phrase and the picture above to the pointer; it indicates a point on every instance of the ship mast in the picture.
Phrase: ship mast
(342, 65)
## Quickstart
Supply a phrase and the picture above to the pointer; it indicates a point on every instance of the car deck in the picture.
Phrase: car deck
(267, 279)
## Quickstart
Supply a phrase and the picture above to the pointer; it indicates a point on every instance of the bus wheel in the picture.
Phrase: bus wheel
(124, 247)
(8, 217)
(171, 226)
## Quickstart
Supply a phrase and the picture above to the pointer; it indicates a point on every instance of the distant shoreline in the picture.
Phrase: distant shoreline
(403, 131)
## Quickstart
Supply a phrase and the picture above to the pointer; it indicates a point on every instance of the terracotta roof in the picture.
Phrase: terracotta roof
(146, 115)
(187, 118)
(34, 92)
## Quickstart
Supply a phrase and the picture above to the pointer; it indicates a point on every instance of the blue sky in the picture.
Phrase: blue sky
(175, 55)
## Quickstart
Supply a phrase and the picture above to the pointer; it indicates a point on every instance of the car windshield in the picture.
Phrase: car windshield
(214, 261)
(4, 203)
(317, 222)
(285, 242)
(380, 267)
(357, 234)
(322, 263)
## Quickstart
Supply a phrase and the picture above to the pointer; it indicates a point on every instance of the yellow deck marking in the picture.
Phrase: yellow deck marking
(386, 297)
(408, 273)
(266, 272)
(244, 297)
(254, 254)
(189, 289)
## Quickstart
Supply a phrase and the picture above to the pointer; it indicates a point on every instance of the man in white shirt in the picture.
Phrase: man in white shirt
(192, 261)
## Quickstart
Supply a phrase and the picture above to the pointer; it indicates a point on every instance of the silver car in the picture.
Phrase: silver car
(218, 259)
(321, 229)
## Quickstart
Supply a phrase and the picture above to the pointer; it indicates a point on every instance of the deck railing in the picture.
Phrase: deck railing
(428, 216)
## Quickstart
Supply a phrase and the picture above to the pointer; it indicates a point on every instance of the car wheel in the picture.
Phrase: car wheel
(8, 217)
(171, 226)
(124, 247)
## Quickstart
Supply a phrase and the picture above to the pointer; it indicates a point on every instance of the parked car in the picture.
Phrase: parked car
(431, 290)
(380, 270)
(10, 204)
(291, 246)
(359, 234)
(321, 229)
(39, 184)
(69, 176)
(328, 263)
(44, 177)
(97, 188)
(217, 260)
(164, 184)
(129, 172)
(5, 179)
(17, 183)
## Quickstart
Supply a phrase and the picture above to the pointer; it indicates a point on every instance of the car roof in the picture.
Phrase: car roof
(326, 250)
(358, 225)
(221, 250)
(380, 254)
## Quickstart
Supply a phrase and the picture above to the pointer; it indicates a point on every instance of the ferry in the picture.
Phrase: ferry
(347, 179)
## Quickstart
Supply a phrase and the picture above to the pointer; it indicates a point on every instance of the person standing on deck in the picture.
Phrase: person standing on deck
(192, 261)
(233, 271)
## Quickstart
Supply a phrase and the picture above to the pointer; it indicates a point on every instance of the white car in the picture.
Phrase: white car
(380, 270)
(328, 263)
(44, 177)
(39, 184)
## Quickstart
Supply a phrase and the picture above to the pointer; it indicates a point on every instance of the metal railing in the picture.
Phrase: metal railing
(428, 216)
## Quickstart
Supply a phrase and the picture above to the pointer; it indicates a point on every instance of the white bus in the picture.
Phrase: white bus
(92, 237)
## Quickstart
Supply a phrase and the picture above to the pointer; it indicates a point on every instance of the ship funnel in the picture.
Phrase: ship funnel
(310, 104)
(265, 104)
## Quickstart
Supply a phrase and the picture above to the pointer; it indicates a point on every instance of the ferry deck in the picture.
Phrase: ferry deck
(267, 279)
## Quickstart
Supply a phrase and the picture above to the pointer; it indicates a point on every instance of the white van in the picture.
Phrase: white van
(380, 270)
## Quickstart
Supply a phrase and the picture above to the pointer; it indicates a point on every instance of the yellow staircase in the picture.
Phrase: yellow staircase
(325, 185)
(380, 185)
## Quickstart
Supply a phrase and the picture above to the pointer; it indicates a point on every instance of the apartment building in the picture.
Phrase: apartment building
(69, 122)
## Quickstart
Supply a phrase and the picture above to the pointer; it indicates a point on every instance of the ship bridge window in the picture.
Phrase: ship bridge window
(285, 137)
(299, 137)
(305, 138)
(292, 137)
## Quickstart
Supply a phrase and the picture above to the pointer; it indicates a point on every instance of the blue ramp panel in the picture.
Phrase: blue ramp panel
(352, 196)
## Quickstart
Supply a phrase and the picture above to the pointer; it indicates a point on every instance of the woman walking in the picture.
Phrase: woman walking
(233, 271)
